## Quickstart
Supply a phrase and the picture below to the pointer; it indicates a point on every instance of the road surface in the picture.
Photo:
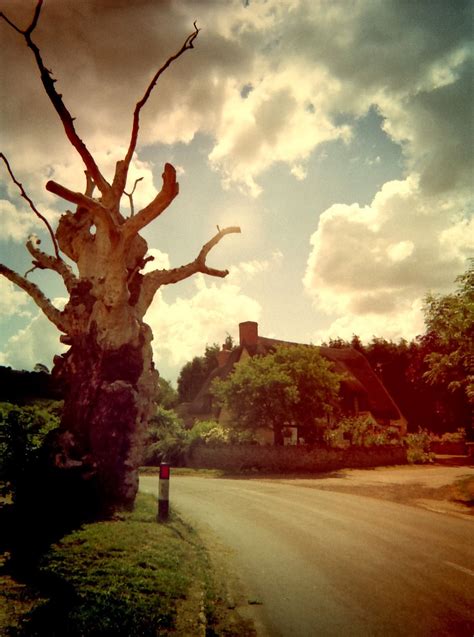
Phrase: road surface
(324, 563)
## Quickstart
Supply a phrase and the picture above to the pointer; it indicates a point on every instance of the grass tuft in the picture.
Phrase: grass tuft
(115, 578)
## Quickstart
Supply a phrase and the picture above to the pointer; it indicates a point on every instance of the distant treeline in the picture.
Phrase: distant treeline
(22, 387)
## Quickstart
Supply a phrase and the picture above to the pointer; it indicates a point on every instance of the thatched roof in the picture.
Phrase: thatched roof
(359, 378)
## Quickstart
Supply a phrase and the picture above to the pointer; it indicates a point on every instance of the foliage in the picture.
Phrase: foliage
(360, 431)
(167, 394)
(21, 387)
(23, 431)
(451, 436)
(401, 366)
(167, 439)
(418, 447)
(192, 376)
(292, 386)
(195, 372)
(210, 432)
(450, 331)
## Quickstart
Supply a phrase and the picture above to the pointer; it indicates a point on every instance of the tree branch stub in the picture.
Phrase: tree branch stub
(163, 199)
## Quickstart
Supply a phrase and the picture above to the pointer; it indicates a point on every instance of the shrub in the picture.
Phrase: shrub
(418, 447)
(167, 439)
(210, 432)
(359, 431)
(23, 431)
(451, 436)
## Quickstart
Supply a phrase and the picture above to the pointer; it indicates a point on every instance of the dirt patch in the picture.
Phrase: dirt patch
(445, 499)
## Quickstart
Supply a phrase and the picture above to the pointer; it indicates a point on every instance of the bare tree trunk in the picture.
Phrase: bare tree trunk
(110, 395)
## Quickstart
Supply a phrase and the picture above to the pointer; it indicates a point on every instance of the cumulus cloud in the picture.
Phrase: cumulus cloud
(161, 261)
(184, 326)
(370, 266)
(266, 81)
(38, 342)
(16, 223)
(247, 270)
(12, 299)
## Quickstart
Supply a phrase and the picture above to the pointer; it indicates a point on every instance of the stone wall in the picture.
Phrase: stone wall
(291, 459)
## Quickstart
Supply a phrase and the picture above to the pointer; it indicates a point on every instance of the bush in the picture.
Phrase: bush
(23, 431)
(167, 439)
(451, 436)
(210, 432)
(418, 447)
(360, 431)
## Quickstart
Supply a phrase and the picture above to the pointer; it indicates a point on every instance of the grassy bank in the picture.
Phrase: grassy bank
(122, 578)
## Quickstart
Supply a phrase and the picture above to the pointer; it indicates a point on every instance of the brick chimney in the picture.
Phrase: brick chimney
(248, 333)
(223, 356)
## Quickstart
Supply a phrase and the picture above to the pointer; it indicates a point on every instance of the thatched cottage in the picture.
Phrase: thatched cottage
(361, 394)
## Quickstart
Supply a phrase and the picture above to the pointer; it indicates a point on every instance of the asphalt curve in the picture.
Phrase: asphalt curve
(326, 563)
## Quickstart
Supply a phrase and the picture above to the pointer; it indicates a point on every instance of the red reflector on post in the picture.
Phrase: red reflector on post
(164, 471)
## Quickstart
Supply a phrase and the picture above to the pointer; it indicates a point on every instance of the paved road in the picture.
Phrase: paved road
(325, 563)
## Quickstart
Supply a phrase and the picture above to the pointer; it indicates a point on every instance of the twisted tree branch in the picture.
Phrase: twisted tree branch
(57, 101)
(47, 262)
(94, 206)
(122, 167)
(32, 205)
(52, 313)
(155, 279)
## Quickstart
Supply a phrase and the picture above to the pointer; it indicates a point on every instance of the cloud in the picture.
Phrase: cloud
(16, 223)
(38, 342)
(247, 270)
(267, 81)
(183, 327)
(12, 299)
(161, 261)
(370, 266)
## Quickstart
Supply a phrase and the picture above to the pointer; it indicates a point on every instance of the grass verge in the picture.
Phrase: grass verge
(125, 577)
(463, 491)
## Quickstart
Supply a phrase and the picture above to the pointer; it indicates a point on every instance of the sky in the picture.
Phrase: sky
(338, 134)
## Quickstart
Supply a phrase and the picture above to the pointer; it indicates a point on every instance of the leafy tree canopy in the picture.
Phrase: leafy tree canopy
(192, 376)
(167, 394)
(450, 334)
(292, 386)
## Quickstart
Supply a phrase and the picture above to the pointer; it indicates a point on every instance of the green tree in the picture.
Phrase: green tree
(167, 394)
(292, 386)
(450, 329)
(192, 376)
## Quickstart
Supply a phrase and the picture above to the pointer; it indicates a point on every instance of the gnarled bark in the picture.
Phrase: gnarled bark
(108, 373)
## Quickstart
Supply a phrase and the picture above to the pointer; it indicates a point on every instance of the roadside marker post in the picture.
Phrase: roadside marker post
(164, 492)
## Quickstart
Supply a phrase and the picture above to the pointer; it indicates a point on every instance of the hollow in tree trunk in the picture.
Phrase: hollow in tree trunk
(107, 373)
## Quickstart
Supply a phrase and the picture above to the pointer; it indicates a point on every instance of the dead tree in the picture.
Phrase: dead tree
(108, 371)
